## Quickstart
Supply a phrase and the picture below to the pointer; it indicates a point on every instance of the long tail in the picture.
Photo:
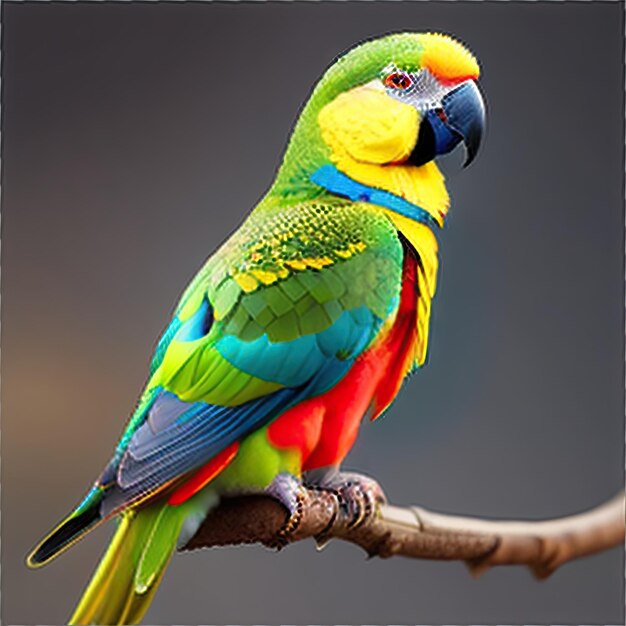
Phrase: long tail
(76, 525)
(131, 569)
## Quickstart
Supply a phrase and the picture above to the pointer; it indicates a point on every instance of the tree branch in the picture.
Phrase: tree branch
(418, 533)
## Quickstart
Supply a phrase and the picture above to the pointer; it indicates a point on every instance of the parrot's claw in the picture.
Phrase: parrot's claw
(290, 492)
(359, 496)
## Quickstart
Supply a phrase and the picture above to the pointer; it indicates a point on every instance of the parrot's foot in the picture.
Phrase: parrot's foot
(290, 492)
(359, 496)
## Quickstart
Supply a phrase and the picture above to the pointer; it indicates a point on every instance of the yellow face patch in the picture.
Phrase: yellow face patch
(366, 125)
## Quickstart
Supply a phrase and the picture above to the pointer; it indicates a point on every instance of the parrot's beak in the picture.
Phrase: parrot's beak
(464, 109)
(461, 117)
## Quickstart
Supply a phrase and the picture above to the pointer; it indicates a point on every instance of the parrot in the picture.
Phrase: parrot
(301, 326)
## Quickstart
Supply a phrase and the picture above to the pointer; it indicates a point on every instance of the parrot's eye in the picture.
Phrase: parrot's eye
(398, 80)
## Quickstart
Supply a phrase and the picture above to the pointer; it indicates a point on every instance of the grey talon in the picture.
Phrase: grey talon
(358, 495)
(289, 491)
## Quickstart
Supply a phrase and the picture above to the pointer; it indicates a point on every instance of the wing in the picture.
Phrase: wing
(277, 315)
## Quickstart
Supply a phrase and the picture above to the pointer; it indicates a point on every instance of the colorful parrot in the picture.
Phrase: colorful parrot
(306, 320)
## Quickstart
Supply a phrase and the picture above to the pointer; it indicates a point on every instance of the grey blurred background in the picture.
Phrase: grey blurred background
(135, 139)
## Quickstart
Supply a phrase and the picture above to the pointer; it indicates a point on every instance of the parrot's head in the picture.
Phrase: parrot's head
(383, 112)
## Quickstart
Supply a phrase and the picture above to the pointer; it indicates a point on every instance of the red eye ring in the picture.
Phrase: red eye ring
(398, 80)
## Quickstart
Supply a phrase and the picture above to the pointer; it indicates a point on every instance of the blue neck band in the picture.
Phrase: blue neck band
(329, 177)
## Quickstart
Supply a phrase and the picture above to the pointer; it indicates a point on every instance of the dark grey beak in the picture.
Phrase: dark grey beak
(464, 109)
